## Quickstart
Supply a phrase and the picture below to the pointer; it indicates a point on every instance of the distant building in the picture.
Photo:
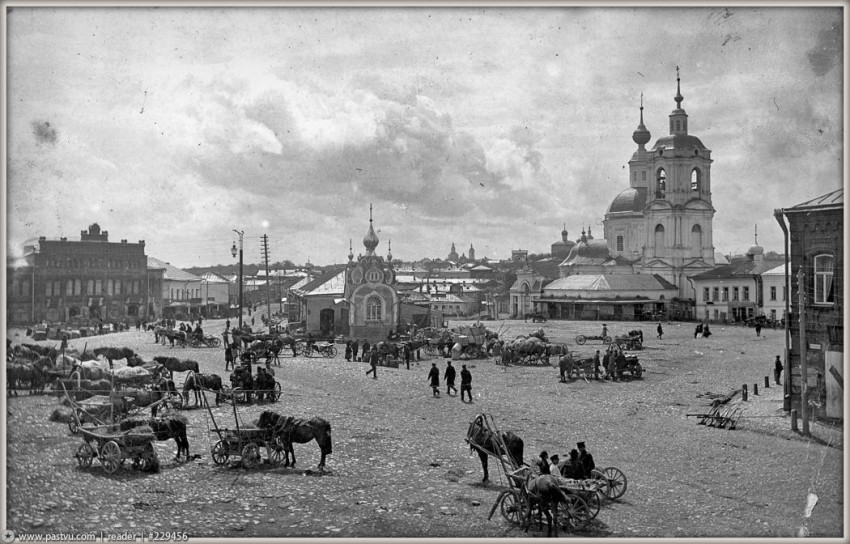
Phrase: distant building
(816, 245)
(519, 254)
(181, 291)
(561, 248)
(321, 304)
(83, 282)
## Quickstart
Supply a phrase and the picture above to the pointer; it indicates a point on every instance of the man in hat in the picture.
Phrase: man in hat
(449, 376)
(434, 377)
(554, 467)
(465, 383)
(586, 459)
(777, 370)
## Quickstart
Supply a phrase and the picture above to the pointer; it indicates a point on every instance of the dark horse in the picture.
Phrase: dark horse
(486, 442)
(165, 428)
(543, 493)
(289, 430)
(195, 381)
(159, 390)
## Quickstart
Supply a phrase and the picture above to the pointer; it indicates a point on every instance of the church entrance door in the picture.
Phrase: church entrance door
(326, 321)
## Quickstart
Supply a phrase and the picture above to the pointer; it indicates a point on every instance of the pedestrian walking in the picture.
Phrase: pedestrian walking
(465, 383)
(406, 353)
(497, 352)
(348, 350)
(373, 363)
(434, 377)
(660, 331)
(604, 330)
(354, 346)
(226, 324)
(698, 330)
(758, 329)
(365, 350)
(612, 365)
(449, 376)
(777, 370)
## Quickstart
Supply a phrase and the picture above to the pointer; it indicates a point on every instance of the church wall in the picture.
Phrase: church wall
(372, 330)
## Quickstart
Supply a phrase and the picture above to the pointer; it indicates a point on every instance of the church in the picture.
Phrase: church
(660, 226)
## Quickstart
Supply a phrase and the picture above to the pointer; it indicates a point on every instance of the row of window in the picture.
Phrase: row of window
(93, 263)
(93, 288)
(713, 294)
(180, 294)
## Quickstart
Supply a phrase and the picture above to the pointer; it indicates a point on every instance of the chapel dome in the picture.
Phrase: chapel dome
(632, 199)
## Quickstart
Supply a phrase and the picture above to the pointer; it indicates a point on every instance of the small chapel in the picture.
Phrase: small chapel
(371, 290)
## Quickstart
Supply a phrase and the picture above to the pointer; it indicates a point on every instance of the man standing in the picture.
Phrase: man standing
(450, 378)
(777, 370)
(354, 345)
(758, 328)
(604, 330)
(373, 363)
(434, 377)
(406, 353)
(596, 363)
(465, 383)
(660, 331)
(586, 459)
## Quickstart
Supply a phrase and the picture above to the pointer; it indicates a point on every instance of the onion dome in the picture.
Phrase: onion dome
(632, 199)
(564, 233)
(370, 241)
(641, 136)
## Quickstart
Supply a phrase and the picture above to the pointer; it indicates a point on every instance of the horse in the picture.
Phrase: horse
(151, 397)
(264, 384)
(165, 428)
(112, 354)
(195, 381)
(484, 441)
(286, 340)
(289, 430)
(544, 492)
(174, 364)
(22, 372)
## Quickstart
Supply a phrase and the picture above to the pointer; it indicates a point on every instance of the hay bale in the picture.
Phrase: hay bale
(62, 415)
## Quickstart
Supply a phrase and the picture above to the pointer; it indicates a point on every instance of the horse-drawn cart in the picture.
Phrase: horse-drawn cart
(631, 341)
(208, 341)
(582, 339)
(112, 447)
(245, 443)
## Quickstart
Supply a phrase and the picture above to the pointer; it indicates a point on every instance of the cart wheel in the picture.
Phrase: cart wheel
(513, 507)
(606, 340)
(576, 514)
(617, 482)
(216, 342)
(110, 456)
(637, 371)
(603, 487)
(238, 395)
(580, 340)
(175, 402)
(331, 352)
(594, 502)
(148, 459)
(276, 457)
(251, 455)
(275, 393)
(84, 455)
(220, 453)
(72, 425)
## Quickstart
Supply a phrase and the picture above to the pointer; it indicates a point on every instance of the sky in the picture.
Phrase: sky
(485, 126)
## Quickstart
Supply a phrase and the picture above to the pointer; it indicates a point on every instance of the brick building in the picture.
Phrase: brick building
(814, 232)
(83, 282)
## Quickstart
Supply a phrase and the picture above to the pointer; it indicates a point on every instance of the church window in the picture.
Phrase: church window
(696, 152)
(117, 287)
(620, 242)
(661, 183)
(69, 288)
(659, 236)
(824, 292)
(98, 287)
(109, 286)
(90, 287)
(78, 287)
(373, 308)
(696, 178)
(696, 240)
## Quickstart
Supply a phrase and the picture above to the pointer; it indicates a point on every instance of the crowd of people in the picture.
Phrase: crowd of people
(577, 465)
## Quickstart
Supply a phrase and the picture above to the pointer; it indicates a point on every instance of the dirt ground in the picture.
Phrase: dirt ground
(401, 468)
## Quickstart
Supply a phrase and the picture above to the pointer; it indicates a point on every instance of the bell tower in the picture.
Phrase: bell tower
(678, 214)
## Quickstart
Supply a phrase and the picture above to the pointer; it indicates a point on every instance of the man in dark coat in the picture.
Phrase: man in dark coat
(354, 346)
(596, 362)
(434, 377)
(406, 354)
(660, 331)
(777, 370)
(543, 462)
(465, 383)
(365, 349)
(586, 459)
(348, 350)
(450, 378)
(373, 363)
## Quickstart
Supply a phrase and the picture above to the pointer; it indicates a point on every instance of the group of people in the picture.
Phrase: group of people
(380, 353)
(577, 466)
(604, 367)
(702, 331)
(449, 376)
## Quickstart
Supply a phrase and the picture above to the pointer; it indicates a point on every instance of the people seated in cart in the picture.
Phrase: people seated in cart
(199, 332)
(572, 467)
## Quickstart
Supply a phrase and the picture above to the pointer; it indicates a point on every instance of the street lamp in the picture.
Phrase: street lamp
(233, 252)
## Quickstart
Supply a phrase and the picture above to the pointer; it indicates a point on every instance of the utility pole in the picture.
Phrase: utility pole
(268, 285)
(804, 366)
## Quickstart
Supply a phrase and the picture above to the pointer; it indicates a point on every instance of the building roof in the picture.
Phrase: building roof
(611, 282)
(835, 199)
(171, 272)
(632, 199)
(331, 282)
(679, 141)
(213, 277)
(739, 268)
(776, 271)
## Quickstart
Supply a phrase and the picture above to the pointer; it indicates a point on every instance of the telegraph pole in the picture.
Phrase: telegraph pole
(804, 366)
(268, 285)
